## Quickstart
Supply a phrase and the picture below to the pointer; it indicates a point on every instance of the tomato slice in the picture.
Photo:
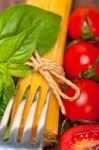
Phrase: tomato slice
(82, 137)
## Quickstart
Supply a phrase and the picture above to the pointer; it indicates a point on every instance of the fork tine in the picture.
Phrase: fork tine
(26, 110)
(29, 121)
(5, 118)
(16, 123)
(38, 112)
(23, 85)
(40, 131)
(41, 127)
(53, 123)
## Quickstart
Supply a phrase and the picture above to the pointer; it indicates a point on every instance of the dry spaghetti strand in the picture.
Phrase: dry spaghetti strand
(47, 69)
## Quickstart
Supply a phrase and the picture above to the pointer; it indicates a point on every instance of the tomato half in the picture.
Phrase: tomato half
(85, 18)
(79, 57)
(82, 137)
(86, 107)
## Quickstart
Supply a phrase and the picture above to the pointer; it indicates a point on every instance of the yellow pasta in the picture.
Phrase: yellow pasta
(56, 54)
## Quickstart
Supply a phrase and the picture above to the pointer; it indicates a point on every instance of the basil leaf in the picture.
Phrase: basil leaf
(7, 88)
(18, 18)
(19, 70)
(1, 85)
(19, 48)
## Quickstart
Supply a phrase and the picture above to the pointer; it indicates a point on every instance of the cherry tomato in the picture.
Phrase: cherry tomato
(82, 137)
(97, 66)
(84, 20)
(79, 57)
(97, 70)
(86, 107)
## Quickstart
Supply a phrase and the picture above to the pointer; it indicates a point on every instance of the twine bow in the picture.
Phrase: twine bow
(47, 69)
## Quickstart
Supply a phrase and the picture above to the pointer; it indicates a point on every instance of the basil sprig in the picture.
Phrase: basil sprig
(23, 28)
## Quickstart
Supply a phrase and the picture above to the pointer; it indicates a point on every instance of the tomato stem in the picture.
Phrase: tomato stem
(91, 74)
(85, 29)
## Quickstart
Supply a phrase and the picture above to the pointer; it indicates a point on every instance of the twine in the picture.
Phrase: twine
(48, 69)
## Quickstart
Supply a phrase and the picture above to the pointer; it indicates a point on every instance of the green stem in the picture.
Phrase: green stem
(91, 74)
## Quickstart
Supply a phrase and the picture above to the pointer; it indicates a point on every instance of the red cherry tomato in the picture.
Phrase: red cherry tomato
(82, 137)
(97, 66)
(79, 57)
(84, 17)
(86, 107)
(97, 70)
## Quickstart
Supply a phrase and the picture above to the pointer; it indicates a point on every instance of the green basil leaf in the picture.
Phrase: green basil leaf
(7, 79)
(19, 48)
(7, 88)
(19, 18)
(1, 85)
(19, 70)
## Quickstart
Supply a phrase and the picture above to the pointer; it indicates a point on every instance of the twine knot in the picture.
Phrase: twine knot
(48, 69)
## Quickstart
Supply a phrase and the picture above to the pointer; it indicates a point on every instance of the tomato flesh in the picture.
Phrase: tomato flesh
(77, 19)
(82, 137)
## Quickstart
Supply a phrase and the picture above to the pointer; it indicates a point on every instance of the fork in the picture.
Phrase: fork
(12, 142)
